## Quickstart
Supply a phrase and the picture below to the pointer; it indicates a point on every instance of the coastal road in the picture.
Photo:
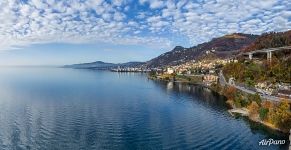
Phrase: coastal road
(223, 82)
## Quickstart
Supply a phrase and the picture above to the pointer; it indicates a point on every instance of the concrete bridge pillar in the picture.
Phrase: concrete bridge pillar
(250, 56)
(269, 56)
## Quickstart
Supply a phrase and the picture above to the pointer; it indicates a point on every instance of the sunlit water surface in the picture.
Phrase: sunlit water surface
(86, 109)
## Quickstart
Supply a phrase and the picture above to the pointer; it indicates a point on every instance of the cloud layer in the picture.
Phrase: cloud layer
(154, 23)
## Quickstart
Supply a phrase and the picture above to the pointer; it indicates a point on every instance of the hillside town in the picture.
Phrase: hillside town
(208, 70)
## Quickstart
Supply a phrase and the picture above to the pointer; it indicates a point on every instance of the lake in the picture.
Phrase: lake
(55, 108)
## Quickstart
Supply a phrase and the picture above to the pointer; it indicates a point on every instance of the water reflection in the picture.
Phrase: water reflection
(170, 85)
(85, 109)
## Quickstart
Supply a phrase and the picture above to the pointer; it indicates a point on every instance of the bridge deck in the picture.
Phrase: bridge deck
(269, 50)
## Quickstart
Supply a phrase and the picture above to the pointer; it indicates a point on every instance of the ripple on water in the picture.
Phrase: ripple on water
(84, 112)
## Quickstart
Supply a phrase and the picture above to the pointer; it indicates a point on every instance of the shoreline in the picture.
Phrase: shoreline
(232, 110)
(244, 112)
(184, 82)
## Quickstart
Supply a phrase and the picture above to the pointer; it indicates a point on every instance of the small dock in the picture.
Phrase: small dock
(241, 111)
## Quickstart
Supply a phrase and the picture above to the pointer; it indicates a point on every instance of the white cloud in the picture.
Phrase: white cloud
(117, 2)
(142, 1)
(141, 15)
(154, 4)
(204, 20)
(51, 21)
(149, 22)
(118, 16)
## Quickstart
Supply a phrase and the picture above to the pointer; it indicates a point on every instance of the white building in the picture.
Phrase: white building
(170, 70)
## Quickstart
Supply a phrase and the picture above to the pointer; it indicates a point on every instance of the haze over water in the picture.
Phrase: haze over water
(85, 109)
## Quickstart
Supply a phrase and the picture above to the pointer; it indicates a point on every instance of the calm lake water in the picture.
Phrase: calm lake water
(86, 109)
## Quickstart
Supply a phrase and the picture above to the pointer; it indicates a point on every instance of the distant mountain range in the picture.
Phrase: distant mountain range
(222, 47)
(103, 65)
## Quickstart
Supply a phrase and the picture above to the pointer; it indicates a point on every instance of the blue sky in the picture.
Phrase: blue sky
(57, 32)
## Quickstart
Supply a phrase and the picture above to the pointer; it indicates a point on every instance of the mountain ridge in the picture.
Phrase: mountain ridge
(222, 47)
(104, 65)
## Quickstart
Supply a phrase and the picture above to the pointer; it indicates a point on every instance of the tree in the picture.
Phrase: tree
(255, 97)
(234, 70)
(152, 73)
(280, 116)
(284, 115)
(267, 104)
(249, 82)
(238, 100)
(230, 92)
(253, 109)
(263, 112)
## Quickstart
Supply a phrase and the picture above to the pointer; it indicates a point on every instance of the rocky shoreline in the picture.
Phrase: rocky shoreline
(244, 112)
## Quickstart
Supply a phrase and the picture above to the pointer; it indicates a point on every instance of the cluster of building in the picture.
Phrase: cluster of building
(278, 89)
(199, 67)
(130, 69)
(207, 69)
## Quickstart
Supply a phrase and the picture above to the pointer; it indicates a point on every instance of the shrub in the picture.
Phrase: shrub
(253, 109)
(263, 112)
